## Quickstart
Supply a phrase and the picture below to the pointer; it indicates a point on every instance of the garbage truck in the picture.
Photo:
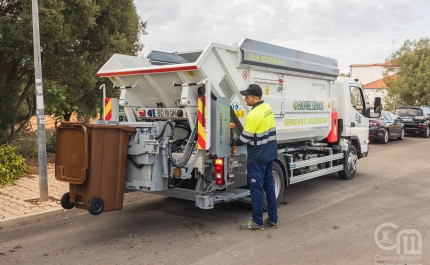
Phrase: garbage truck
(180, 110)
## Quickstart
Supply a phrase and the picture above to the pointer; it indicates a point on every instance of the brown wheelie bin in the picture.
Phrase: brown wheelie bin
(92, 158)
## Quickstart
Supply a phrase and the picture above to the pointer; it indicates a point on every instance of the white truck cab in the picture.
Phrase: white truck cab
(348, 97)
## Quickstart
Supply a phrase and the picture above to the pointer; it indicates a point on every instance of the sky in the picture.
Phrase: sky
(350, 31)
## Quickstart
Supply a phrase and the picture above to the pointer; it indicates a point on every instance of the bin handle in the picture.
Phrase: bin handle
(86, 150)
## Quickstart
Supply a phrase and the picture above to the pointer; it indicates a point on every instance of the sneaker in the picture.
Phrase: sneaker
(270, 223)
(251, 225)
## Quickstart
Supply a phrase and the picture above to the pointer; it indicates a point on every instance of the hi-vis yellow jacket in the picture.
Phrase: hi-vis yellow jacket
(260, 134)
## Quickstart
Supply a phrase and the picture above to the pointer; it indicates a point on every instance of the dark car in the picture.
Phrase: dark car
(415, 119)
(386, 127)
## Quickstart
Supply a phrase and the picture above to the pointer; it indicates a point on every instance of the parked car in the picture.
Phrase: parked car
(386, 127)
(415, 119)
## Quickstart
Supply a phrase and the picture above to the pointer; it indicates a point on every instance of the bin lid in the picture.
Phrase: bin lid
(71, 155)
(72, 149)
(111, 126)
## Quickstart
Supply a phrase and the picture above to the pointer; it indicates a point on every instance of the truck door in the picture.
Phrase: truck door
(359, 123)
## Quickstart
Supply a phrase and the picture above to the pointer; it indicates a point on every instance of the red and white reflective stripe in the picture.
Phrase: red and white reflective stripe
(149, 71)
(108, 109)
(201, 123)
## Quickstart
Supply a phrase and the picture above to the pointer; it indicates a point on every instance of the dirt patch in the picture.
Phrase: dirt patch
(33, 163)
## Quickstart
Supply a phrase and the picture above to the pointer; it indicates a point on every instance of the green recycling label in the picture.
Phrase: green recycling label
(308, 105)
(303, 121)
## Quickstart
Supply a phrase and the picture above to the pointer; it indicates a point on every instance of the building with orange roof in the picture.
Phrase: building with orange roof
(367, 73)
(371, 77)
(377, 88)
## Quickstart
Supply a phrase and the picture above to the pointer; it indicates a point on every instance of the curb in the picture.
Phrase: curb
(37, 216)
(16, 220)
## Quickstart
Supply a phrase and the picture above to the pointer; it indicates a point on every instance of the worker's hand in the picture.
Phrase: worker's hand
(232, 142)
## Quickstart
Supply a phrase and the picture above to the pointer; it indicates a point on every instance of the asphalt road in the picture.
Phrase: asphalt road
(322, 221)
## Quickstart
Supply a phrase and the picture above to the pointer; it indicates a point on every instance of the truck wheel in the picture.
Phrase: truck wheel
(279, 182)
(65, 201)
(426, 133)
(96, 206)
(350, 164)
(402, 135)
(384, 139)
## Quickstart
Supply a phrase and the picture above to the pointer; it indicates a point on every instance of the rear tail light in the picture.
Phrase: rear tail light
(141, 112)
(420, 125)
(219, 171)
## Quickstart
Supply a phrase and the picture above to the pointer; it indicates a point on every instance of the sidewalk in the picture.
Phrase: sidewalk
(21, 200)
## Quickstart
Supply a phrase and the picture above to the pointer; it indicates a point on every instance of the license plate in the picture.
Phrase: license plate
(407, 119)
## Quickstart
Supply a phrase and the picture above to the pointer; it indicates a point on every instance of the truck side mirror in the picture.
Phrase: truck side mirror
(377, 109)
(377, 106)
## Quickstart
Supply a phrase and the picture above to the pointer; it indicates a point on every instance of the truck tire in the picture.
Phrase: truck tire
(426, 133)
(65, 201)
(96, 206)
(385, 138)
(350, 164)
(279, 183)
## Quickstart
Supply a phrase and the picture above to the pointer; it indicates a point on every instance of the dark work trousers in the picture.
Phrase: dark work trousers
(260, 179)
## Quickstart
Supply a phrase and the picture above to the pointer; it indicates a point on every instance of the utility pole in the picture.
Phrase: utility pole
(43, 173)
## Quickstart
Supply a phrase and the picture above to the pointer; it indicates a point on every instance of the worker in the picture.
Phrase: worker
(259, 135)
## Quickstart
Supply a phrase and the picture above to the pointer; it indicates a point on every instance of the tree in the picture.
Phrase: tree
(77, 38)
(410, 85)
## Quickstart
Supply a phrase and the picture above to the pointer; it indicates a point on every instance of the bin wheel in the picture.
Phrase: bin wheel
(96, 206)
(65, 201)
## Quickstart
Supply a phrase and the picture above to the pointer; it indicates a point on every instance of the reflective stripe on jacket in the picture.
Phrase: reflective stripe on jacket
(260, 134)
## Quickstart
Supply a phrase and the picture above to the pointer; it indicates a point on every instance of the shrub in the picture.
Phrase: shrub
(12, 166)
(4, 134)
(26, 144)
(50, 141)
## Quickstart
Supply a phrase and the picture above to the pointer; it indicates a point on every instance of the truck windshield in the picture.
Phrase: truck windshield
(409, 112)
